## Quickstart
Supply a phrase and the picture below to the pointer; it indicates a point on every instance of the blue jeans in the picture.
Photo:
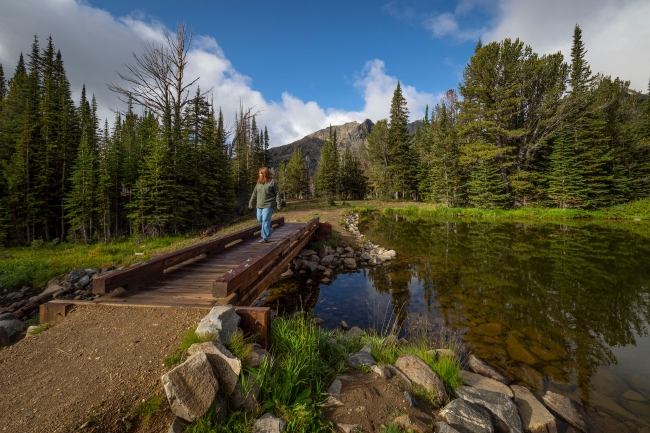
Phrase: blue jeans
(264, 217)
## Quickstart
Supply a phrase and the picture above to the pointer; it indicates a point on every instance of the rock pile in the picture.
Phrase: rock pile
(25, 302)
(484, 404)
(211, 376)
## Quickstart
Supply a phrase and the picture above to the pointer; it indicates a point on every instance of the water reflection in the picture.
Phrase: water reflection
(564, 307)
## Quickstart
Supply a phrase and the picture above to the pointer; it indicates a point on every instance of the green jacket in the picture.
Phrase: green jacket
(267, 195)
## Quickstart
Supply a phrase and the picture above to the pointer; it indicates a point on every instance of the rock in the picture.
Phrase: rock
(477, 365)
(518, 352)
(314, 258)
(220, 323)
(83, 281)
(48, 293)
(448, 353)
(220, 405)
(382, 371)
(633, 396)
(361, 358)
(309, 282)
(367, 348)
(407, 422)
(348, 249)
(354, 332)
(287, 274)
(467, 417)
(13, 327)
(226, 366)
(350, 263)
(409, 399)
(191, 387)
(389, 255)
(4, 338)
(325, 281)
(269, 424)
(374, 261)
(565, 409)
(481, 382)
(327, 260)
(347, 428)
(322, 252)
(317, 321)
(75, 275)
(310, 266)
(349, 255)
(403, 381)
(178, 425)
(504, 412)
(8, 316)
(344, 324)
(307, 252)
(327, 273)
(443, 427)
(245, 394)
(32, 330)
(256, 355)
(366, 256)
(321, 268)
(421, 374)
(534, 416)
(339, 250)
(334, 394)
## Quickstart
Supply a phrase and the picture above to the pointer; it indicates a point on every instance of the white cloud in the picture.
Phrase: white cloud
(616, 32)
(95, 45)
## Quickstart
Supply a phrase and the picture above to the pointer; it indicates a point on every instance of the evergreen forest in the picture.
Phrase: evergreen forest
(522, 129)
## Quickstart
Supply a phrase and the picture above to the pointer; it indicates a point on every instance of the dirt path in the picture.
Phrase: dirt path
(97, 364)
(100, 362)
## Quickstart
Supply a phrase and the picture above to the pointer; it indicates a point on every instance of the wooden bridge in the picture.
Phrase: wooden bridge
(232, 269)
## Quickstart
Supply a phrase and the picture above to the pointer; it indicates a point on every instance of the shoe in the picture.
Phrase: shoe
(263, 241)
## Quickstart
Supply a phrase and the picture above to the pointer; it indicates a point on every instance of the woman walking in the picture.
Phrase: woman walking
(267, 195)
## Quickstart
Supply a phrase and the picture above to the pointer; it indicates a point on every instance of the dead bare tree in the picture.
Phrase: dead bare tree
(157, 78)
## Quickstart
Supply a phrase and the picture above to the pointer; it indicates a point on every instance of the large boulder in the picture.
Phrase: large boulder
(75, 275)
(191, 387)
(443, 427)
(565, 409)
(534, 416)
(267, 423)
(421, 374)
(504, 412)
(467, 417)
(477, 365)
(4, 338)
(220, 324)
(481, 382)
(402, 380)
(226, 367)
(13, 327)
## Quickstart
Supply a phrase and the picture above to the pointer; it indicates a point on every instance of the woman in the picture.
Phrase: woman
(267, 195)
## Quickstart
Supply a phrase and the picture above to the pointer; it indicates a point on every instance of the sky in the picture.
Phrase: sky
(308, 64)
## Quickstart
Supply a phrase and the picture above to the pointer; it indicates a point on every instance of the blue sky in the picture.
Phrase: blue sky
(306, 64)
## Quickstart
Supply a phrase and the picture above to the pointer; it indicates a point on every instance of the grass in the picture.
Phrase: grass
(149, 407)
(35, 265)
(293, 384)
(42, 328)
(238, 345)
(180, 352)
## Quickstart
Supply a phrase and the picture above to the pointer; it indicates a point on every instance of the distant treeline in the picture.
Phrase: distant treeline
(528, 130)
(174, 167)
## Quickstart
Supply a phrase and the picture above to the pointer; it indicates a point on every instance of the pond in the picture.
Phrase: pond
(558, 306)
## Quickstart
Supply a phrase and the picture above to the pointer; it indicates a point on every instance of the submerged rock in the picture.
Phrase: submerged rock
(467, 417)
(504, 412)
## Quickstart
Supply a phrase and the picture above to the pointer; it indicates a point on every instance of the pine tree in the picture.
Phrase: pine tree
(566, 185)
(400, 155)
(267, 160)
(80, 201)
(485, 187)
(3, 84)
(296, 176)
(327, 175)
(353, 182)
(377, 155)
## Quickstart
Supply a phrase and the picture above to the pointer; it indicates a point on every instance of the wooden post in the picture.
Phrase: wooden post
(256, 320)
(53, 312)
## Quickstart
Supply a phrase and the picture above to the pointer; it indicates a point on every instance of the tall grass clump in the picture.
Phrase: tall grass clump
(180, 352)
(294, 384)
